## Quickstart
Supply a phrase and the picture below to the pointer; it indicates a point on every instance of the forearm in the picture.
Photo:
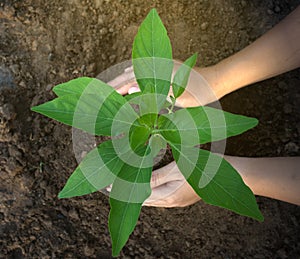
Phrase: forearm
(277, 177)
(274, 53)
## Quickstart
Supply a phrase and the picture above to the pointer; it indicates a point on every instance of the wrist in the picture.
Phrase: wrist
(243, 166)
(213, 77)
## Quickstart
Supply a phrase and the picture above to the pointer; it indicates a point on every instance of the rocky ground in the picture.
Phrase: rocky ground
(43, 43)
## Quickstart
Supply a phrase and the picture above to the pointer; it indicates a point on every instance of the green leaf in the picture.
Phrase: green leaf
(182, 76)
(96, 171)
(92, 109)
(216, 181)
(133, 181)
(123, 217)
(128, 193)
(148, 104)
(145, 103)
(148, 119)
(199, 125)
(75, 86)
(152, 57)
(138, 135)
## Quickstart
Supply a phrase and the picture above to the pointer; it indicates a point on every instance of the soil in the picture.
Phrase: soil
(43, 43)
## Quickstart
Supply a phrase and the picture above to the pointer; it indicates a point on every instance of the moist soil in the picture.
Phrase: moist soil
(43, 43)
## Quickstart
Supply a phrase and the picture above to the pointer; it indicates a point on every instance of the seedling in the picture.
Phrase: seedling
(139, 131)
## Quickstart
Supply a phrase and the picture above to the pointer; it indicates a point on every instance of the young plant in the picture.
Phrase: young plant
(139, 131)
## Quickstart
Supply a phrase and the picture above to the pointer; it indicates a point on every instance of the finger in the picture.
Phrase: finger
(125, 77)
(157, 203)
(165, 174)
(116, 82)
(125, 88)
(182, 195)
(164, 195)
(129, 88)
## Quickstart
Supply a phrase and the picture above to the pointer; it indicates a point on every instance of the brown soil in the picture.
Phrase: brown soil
(43, 43)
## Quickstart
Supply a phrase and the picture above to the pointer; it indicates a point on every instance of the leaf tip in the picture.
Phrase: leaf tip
(195, 55)
(38, 108)
(260, 217)
(61, 195)
(34, 108)
(115, 252)
(153, 10)
(253, 122)
(64, 194)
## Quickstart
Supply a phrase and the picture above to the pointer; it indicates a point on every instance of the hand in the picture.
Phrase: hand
(198, 91)
(170, 189)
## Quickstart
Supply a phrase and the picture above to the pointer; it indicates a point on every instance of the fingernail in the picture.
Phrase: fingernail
(128, 69)
(133, 90)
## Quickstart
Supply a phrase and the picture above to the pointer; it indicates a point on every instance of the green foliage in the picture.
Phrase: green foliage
(92, 106)
(152, 58)
(182, 76)
(98, 169)
(139, 131)
(207, 123)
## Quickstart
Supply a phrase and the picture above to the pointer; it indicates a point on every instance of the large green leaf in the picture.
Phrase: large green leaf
(152, 57)
(208, 123)
(129, 191)
(96, 171)
(216, 181)
(123, 217)
(182, 76)
(92, 107)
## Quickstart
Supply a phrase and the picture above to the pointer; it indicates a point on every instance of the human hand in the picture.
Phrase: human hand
(170, 189)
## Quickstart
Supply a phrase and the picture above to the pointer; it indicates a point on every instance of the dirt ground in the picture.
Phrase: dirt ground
(43, 43)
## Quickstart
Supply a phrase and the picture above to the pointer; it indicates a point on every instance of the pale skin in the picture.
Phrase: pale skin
(274, 53)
